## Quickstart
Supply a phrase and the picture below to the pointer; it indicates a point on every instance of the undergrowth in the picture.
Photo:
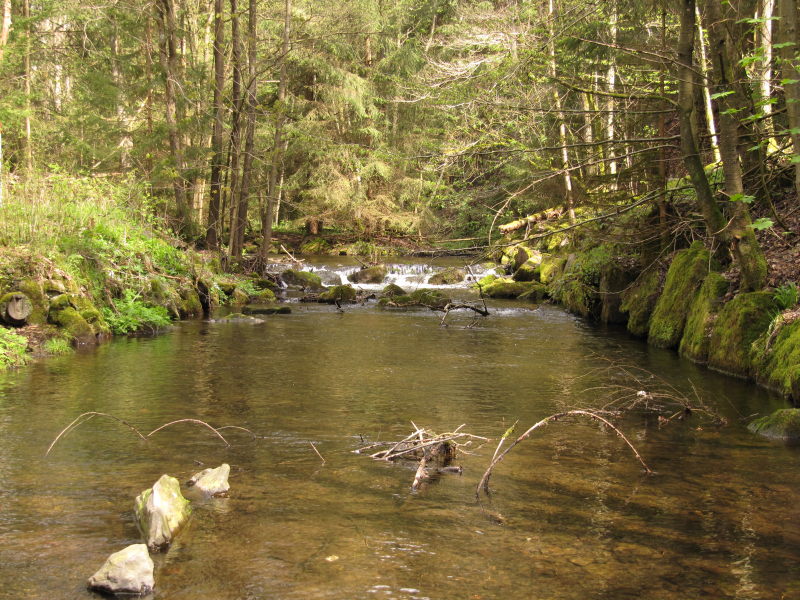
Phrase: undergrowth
(133, 316)
(13, 349)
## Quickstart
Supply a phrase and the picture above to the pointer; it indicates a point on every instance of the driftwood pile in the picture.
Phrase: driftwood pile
(433, 452)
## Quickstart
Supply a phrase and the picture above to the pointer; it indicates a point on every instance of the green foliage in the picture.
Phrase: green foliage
(132, 315)
(13, 349)
(57, 346)
(787, 295)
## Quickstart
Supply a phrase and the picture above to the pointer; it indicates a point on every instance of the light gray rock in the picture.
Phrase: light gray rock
(213, 482)
(161, 511)
(129, 571)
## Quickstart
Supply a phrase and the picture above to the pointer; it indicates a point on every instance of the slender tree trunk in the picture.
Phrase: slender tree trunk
(217, 141)
(611, 82)
(169, 65)
(26, 13)
(250, 127)
(740, 234)
(235, 145)
(791, 76)
(5, 26)
(764, 70)
(562, 124)
(712, 126)
(278, 146)
(125, 142)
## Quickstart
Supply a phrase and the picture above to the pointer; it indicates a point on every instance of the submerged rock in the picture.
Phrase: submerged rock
(161, 511)
(129, 571)
(783, 424)
(212, 482)
(267, 310)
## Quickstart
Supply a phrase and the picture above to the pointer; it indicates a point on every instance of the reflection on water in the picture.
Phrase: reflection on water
(572, 516)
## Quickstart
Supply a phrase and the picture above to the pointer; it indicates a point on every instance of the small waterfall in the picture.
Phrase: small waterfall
(408, 276)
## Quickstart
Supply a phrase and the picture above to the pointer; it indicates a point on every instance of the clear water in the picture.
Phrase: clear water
(571, 517)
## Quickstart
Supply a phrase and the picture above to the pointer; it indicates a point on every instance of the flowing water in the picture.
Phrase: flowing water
(571, 516)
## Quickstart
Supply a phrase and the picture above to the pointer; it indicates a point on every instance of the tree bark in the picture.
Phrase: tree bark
(235, 146)
(217, 141)
(26, 60)
(5, 26)
(791, 76)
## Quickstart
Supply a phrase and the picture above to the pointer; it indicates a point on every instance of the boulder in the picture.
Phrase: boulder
(129, 571)
(783, 424)
(528, 271)
(302, 279)
(775, 356)
(506, 288)
(342, 293)
(696, 340)
(449, 276)
(392, 290)
(212, 482)
(63, 313)
(160, 512)
(374, 274)
(639, 300)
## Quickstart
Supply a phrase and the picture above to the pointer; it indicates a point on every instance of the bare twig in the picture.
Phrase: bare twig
(196, 421)
(484, 482)
(80, 420)
(314, 448)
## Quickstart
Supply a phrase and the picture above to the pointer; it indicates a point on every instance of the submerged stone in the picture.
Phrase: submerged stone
(739, 323)
(686, 273)
(783, 424)
(212, 482)
(129, 571)
(160, 512)
(374, 274)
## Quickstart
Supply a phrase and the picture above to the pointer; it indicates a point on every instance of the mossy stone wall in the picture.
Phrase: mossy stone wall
(697, 333)
(775, 358)
(639, 300)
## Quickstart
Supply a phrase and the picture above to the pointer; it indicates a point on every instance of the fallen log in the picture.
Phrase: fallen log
(545, 215)
(15, 308)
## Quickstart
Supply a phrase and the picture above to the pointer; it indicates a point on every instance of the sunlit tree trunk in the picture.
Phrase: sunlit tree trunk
(26, 14)
(611, 82)
(217, 141)
(791, 75)
(235, 145)
(712, 126)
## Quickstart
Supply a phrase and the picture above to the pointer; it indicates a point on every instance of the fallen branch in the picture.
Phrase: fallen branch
(314, 448)
(484, 482)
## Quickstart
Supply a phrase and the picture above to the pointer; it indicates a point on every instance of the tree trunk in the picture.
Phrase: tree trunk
(26, 60)
(611, 82)
(5, 26)
(278, 147)
(740, 234)
(712, 126)
(169, 65)
(791, 76)
(217, 141)
(235, 147)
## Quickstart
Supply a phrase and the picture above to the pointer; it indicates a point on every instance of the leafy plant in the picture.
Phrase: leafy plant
(787, 295)
(13, 349)
(57, 346)
(132, 315)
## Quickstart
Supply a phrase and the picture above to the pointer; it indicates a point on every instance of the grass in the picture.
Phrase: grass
(13, 349)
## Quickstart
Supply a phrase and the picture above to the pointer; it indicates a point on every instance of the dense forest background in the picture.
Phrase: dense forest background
(432, 118)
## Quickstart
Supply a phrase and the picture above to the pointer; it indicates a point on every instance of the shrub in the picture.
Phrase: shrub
(57, 346)
(13, 349)
(132, 315)
(786, 296)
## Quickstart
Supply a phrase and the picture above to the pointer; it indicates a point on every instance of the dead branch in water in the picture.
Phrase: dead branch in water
(484, 482)
(87, 416)
(427, 447)
(484, 312)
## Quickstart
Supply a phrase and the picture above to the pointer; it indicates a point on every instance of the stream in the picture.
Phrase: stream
(571, 516)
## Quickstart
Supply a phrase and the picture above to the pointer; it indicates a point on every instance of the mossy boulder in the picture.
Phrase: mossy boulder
(775, 358)
(639, 300)
(160, 512)
(684, 277)
(268, 310)
(550, 268)
(392, 290)
(423, 297)
(537, 293)
(239, 297)
(449, 276)
(264, 283)
(515, 256)
(263, 297)
(615, 277)
(39, 300)
(486, 280)
(91, 314)
(64, 314)
(697, 333)
(578, 298)
(528, 271)
(739, 323)
(508, 288)
(227, 287)
(190, 306)
(302, 279)
(783, 424)
(342, 293)
(373, 274)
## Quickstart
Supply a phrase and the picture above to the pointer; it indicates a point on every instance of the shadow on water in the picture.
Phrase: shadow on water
(571, 516)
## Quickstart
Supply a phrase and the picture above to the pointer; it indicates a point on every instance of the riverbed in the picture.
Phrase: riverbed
(572, 515)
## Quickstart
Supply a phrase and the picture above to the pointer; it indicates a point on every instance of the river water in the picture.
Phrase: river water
(572, 516)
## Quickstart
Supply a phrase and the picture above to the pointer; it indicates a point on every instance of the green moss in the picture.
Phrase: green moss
(13, 349)
(507, 288)
(315, 246)
(686, 273)
(775, 358)
(537, 293)
(449, 276)
(528, 271)
(423, 297)
(304, 279)
(783, 424)
(639, 300)
(697, 333)
(263, 297)
(392, 290)
(190, 303)
(577, 298)
(486, 280)
(35, 293)
(614, 278)
(550, 268)
(342, 293)
(64, 315)
(263, 283)
(740, 323)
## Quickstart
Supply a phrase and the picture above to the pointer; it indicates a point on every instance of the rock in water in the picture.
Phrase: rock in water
(129, 571)
(161, 511)
(213, 482)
